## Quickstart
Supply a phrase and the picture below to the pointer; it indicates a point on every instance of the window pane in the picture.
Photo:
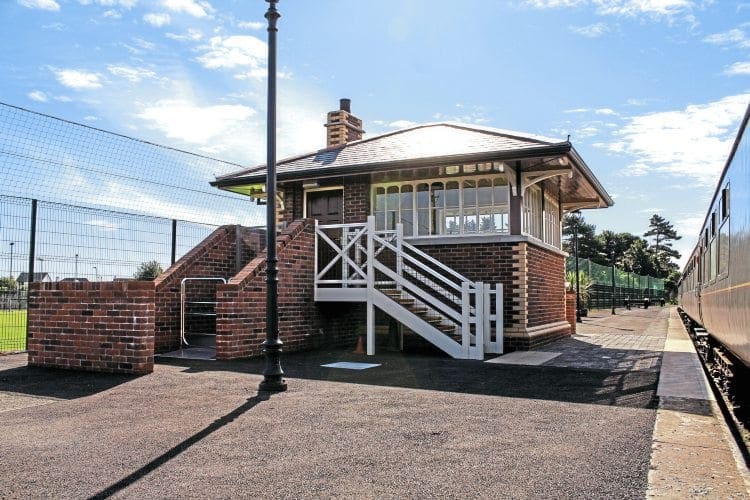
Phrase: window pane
(423, 221)
(500, 191)
(407, 197)
(407, 219)
(451, 194)
(391, 218)
(379, 221)
(471, 224)
(379, 199)
(423, 196)
(437, 201)
(484, 193)
(724, 248)
(470, 194)
(392, 201)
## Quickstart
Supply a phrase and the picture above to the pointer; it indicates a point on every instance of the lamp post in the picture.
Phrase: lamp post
(11, 258)
(41, 265)
(76, 270)
(273, 380)
(96, 273)
(613, 282)
(577, 214)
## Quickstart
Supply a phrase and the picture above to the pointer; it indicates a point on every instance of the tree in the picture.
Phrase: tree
(148, 270)
(588, 245)
(638, 258)
(8, 284)
(664, 234)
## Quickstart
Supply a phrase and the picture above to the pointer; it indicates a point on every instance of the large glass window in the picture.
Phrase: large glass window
(456, 206)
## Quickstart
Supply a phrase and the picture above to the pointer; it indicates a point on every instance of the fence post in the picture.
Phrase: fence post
(237, 249)
(174, 241)
(32, 255)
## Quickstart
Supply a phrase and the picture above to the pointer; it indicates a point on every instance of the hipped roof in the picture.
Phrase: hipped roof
(423, 145)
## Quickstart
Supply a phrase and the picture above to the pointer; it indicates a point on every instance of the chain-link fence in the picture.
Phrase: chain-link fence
(601, 283)
(106, 204)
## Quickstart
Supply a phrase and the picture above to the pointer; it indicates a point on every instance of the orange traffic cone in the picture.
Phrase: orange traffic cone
(360, 345)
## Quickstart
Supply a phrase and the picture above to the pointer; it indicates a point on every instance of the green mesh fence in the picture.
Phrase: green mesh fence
(602, 293)
(602, 275)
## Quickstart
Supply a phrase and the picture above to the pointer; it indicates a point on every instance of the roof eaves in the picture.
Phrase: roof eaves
(517, 154)
(589, 175)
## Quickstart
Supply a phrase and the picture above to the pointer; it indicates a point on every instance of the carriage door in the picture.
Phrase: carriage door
(328, 208)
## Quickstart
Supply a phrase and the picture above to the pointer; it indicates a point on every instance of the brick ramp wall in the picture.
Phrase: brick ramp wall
(570, 310)
(213, 257)
(241, 312)
(96, 326)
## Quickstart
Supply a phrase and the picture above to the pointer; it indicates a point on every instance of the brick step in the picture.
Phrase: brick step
(201, 339)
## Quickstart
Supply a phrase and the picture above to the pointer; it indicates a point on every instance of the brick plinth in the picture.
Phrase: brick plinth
(533, 281)
(98, 326)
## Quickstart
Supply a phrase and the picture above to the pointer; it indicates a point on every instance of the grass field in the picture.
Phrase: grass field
(13, 330)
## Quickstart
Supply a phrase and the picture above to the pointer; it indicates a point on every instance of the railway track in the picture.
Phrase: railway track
(728, 379)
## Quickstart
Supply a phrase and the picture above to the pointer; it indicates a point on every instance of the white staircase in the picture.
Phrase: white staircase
(355, 263)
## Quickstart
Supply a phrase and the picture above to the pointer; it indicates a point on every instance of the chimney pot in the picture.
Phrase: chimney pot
(345, 105)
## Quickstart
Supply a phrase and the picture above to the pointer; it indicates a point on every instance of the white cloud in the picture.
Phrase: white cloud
(195, 8)
(90, 118)
(38, 96)
(128, 4)
(112, 14)
(78, 80)
(691, 143)
(40, 4)
(130, 73)
(183, 120)
(63, 98)
(157, 19)
(731, 37)
(577, 110)
(402, 124)
(191, 35)
(590, 31)
(605, 111)
(234, 51)
(738, 68)
(627, 8)
(251, 25)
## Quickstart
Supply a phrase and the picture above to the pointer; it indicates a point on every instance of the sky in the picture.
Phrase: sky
(651, 92)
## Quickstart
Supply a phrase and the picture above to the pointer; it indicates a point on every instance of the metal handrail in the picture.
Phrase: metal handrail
(183, 341)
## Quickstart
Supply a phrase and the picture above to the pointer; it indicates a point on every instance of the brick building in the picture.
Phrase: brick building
(443, 234)
(480, 205)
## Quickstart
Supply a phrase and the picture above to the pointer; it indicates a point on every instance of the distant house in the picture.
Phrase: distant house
(23, 278)
(452, 208)
(74, 280)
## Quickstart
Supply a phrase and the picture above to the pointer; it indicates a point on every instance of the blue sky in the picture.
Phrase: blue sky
(650, 91)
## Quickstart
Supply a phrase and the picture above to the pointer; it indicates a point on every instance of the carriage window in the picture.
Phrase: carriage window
(723, 252)
(725, 203)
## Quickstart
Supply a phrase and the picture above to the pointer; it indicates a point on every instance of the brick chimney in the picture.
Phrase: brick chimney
(342, 126)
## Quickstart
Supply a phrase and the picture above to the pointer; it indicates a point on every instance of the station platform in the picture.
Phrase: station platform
(693, 451)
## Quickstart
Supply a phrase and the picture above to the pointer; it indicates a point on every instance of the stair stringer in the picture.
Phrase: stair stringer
(421, 327)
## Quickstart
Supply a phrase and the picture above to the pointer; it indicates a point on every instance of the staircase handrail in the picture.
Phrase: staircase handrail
(419, 293)
(422, 266)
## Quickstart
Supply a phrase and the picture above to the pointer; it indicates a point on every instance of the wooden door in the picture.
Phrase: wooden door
(328, 208)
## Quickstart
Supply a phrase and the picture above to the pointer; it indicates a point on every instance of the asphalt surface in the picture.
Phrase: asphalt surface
(416, 426)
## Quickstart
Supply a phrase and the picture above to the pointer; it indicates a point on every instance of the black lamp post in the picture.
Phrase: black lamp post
(577, 214)
(273, 380)
(613, 281)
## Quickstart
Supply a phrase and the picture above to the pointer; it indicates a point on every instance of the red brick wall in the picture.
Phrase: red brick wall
(356, 199)
(241, 312)
(293, 201)
(570, 310)
(102, 326)
(546, 286)
(213, 257)
(488, 262)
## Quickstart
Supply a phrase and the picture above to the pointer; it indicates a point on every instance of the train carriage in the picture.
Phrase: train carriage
(714, 290)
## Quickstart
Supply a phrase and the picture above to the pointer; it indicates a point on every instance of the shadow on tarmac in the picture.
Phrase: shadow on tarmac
(181, 447)
(636, 389)
(59, 384)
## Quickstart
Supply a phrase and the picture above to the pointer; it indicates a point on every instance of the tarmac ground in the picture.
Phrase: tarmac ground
(576, 421)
